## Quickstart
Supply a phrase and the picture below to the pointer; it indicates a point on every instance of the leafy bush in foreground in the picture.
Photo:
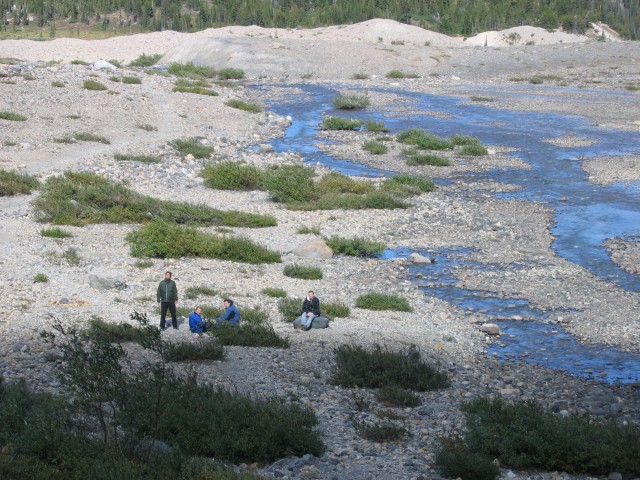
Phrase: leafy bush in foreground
(290, 308)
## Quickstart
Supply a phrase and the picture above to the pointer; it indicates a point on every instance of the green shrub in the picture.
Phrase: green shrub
(289, 183)
(274, 292)
(192, 146)
(147, 127)
(360, 76)
(404, 185)
(131, 80)
(93, 85)
(474, 150)
(55, 233)
(464, 140)
(536, 80)
(335, 309)
(249, 335)
(400, 74)
(351, 102)
(196, 90)
(300, 271)
(356, 246)
(112, 332)
(40, 278)
(231, 176)
(454, 460)
(194, 292)
(383, 301)
(15, 183)
(164, 240)
(57, 83)
(336, 183)
(194, 351)
(398, 397)
(374, 147)
(339, 123)
(239, 104)
(423, 140)
(83, 137)
(381, 432)
(231, 74)
(428, 159)
(146, 60)
(308, 230)
(79, 62)
(128, 157)
(115, 78)
(290, 308)
(78, 198)
(254, 315)
(372, 126)
(356, 367)
(189, 70)
(15, 117)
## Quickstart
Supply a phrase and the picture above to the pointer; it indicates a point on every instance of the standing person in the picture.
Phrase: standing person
(197, 324)
(310, 310)
(231, 314)
(168, 297)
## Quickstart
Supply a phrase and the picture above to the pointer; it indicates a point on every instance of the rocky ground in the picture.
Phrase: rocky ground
(503, 231)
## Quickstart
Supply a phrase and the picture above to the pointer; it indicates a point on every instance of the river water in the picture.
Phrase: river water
(585, 214)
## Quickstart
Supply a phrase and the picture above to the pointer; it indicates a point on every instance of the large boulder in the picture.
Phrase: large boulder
(318, 322)
(314, 249)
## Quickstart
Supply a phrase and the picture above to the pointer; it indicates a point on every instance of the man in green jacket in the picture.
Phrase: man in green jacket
(168, 297)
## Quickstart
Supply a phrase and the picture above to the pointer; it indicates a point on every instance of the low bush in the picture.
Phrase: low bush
(55, 233)
(191, 146)
(189, 70)
(40, 278)
(400, 74)
(147, 127)
(14, 117)
(131, 80)
(164, 240)
(15, 183)
(423, 140)
(383, 301)
(372, 126)
(231, 176)
(428, 159)
(300, 271)
(398, 397)
(335, 309)
(381, 432)
(247, 107)
(474, 150)
(290, 308)
(231, 74)
(254, 315)
(374, 147)
(93, 85)
(360, 76)
(128, 157)
(115, 78)
(337, 183)
(351, 102)
(308, 230)
(111, 332)
(194, 292)
(145, 60)
(289, 183)
(464, 140)
(196, 90)
(249, 335)
(356, 367)
(274, 292)
(356, 246)
(339, 123)
(83, 137)
(194, 351)
(404, 185)
(454, 460)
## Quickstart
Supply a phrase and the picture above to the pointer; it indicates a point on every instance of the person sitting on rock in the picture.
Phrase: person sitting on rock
(197, 323)
(231, 314)
(310, 310)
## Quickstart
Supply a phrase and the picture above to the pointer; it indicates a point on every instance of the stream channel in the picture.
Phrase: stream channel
(585, 214)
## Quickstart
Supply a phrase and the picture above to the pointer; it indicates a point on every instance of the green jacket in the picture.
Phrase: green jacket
(167, 291)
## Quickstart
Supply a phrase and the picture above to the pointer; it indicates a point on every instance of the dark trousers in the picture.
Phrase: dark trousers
(163, 314)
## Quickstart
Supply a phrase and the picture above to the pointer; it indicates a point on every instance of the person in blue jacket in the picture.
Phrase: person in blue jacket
(197, 323)
(231, 314)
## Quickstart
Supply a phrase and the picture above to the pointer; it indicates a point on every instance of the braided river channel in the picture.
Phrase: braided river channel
(585, 214)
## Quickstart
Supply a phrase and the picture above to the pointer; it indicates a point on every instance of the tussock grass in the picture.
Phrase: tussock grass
(77, 198)
(194, 292)
(83, 137)
(16, 183)
(198, 90)
(55, 233)
(400, 74)
(335, 309)
(383, 301)
(145, 60)
(147, 127)
(231, 74)
(458, 139)
(194, 351)
(240, 105)
(249, 335)
(14, 117)
(380, 367)
(93, 85)
(192, 146)
(131, 80)
(304, 272)
(57, 83)
(290, 308)
(423, 140)
(405, 185)
(189, 70)
(40, 278)
(308, 230)
(373, 126)
(274, 292)
(164, 240)
(428, 159)
(339, 123)
(351, 102)
(374, 147)
(128, 157)
(356, 246)
(231, 176)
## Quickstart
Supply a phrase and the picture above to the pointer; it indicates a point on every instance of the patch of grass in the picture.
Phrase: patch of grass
(145, 263)
(381, 432)
(16, 183)
(83, 137)
(183, 82)
(9, 143)
(146, 60)
(335, 309)
(239, 104)
(115, 78)
(231, 176)
(57, 83)
(405, 185)
(274, 292)
(199, 291)
(79, 62)
(373, 126)
(374, 147)
(356, 246)
(428, 159)
(351, 102)
(308, 230)
(249, 335)
(231, 74)
(360, 76)
(380, 367)
(400, 74)
(111, 332)
(290, 308)
(289, 183)
(423, 140)
(464, 140)
(147, 127)
(93, 85)
(339, 123)
(189, 70)
(194, 351)
(131, 80)
(300, 271)
(14, 117)
(196, 90)
(474, 150)
(192, 146)
(128, 157)
(55, 233)
(398, 397)
(40, 278)
(74, 116)
(164, 240)
(383, 301)
(78, 198)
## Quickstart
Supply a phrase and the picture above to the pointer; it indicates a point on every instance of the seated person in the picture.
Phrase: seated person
(197, 323)
(310, 310)
(231, 314)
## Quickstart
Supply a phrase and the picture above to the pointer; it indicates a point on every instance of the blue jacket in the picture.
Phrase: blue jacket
(231, 315)
(195, 323)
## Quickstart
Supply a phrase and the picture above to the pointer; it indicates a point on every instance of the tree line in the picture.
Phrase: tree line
(458, 17)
